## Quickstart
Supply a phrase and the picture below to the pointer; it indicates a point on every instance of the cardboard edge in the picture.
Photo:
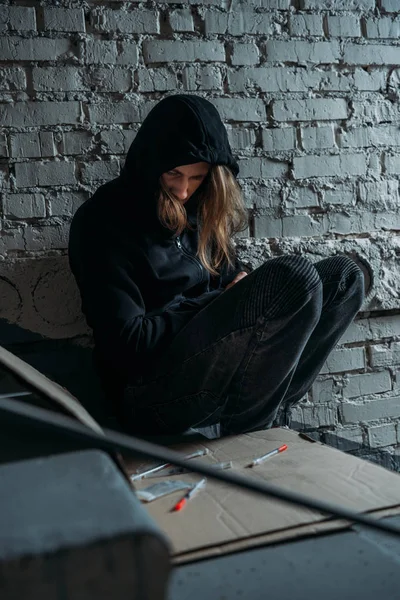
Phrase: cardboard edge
(296, 533)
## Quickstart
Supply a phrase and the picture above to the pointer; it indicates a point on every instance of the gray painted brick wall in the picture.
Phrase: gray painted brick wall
(309, 91)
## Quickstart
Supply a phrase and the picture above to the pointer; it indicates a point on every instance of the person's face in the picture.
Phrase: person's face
(183, 181)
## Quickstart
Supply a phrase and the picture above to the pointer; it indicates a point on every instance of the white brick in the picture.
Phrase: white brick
(3, 146)
(280, 79)
(245, 54)
(345, 438)
(383, 27)
(392, 164)
(24, 206)
(344, 26)
(385, 193)
(260, 168)
(384, 408)
(390, 5)
(35, 114)
(369, 81)
(261, 194)
(25, 145)
(44, 174)
(385, 356)
(310, 109)
(368, 383)
(20, 18)
(382, 435)
(106, 52)
(100, 171)
(302, 226)
(57, 79)
(103, 79)
(119, 112)
(11, 239)
(305, 25)
(325, 390)
(316, 138)
(47, 144)
(196, 77)
(240, 137)
(346, 5)
(64, 19)
(240, 109)
(371, 54)
(181, 20)
(76, 142)
(302, 197)
(319, 415)
(282, 138)
(267, 226)
(341, 194)
(329, 166)
(117, 141)
(45, 238)
(344, 359)
(123, 21)
(303, 52)
(161, 51)
(384, 135)
(66, 203)
(16, 48)
(12, 79)
(238, 22)
(157, 80)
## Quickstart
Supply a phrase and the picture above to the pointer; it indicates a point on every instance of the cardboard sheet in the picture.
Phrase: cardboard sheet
(222, 518)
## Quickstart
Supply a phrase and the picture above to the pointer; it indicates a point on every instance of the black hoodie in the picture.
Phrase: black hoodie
(139, 283)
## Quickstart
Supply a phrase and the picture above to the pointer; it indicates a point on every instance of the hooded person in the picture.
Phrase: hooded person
(184, 335)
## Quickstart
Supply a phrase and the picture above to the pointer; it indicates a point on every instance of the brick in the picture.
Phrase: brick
(45, 238)
(368, 383)
(358, 331)
(351, 222)
(181, 20)
(12, 79)
(25, 145)
(240, 109)
(267, 225)
(302, 197)
(76, 142)
(344, 359)
(100, 170)
(225, 4)
(103, 79)
(325, 390)
(302, 226)
(20, 18)
(35, 114)
(16, 48)
(44, 174)
(380, 192)
(106, 52)
(261, 195)
(245, 54)
(382, 435)
(240, 137)
(25, 206)
(11, 239)
(57, 79)
(392, 164)
(344, 26)
(47, 143)
(162, 51)
(383, 28)
(3, 146)
(390, 5)
(117, 141)
(384, 408)
(316, 138)
(385, 356)
(347, 5)
(341, 194)
(303, 52)
(280, 79)
(375, 111)
(329, 166)
(306, 25)
(383, 135)
(66, 204)
(345, 438)
(196, 77)
(238, 22)
(157, 80)
(371, 54)
(369, 81)
(310, 109)
(124, 21)
(119, 112)
(260, 168)
(279, 138)
(64, 19)
(319, 415)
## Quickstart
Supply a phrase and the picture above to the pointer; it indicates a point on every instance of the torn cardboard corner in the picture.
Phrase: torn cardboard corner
(222, 519)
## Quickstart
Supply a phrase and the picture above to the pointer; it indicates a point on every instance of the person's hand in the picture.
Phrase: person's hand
(238, 277)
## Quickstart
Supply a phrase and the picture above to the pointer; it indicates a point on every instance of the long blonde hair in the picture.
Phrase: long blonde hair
(221, 215)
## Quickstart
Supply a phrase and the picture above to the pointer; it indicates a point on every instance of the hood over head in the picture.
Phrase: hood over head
(180, 130)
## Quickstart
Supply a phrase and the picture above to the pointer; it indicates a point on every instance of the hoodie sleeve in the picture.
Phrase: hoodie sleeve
(125, 337)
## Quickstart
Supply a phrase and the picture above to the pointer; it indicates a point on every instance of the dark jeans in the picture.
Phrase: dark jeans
(252, 353)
